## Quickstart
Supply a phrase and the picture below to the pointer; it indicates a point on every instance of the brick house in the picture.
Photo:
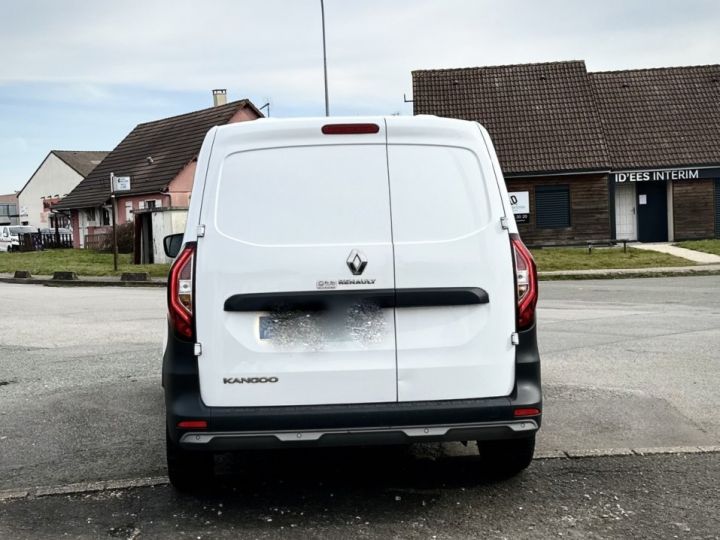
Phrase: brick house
(160, 158)
(611, 155)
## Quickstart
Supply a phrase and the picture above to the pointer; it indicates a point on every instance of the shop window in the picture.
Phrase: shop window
(105, 217)
(552, 207)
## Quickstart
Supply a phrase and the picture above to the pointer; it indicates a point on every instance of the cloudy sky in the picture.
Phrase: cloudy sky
(80, 74)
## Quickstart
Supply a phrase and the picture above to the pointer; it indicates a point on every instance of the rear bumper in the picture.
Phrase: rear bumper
(232, 440)
(352, 424)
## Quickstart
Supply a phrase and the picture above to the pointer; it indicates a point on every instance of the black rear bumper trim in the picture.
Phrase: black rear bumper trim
(385, 298)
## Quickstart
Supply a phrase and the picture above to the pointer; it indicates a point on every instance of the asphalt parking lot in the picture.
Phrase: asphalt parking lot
(629, 366)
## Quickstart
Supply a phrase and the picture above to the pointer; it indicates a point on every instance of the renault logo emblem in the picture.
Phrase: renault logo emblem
(356, 262)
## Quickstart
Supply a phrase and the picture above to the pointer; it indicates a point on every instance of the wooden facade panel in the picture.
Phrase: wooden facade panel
(693, 212)
(589, 210)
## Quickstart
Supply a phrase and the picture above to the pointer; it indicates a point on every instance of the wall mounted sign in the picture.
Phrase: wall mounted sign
(663, 175)
(520, 201)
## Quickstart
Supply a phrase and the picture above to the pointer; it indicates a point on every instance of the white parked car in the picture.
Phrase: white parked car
(349, 281)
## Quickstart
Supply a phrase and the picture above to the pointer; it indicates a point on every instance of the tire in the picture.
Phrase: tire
(505, 459)
(188, 471)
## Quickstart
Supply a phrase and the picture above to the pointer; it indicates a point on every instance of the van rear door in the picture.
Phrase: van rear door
(453, 255)
(294, 268)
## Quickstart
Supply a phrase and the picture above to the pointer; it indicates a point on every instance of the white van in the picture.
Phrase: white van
(10, 236)
(349, 281)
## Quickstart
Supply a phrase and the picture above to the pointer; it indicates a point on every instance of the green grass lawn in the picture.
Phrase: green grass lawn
(706, 246)
(83, 262)
(549, 259)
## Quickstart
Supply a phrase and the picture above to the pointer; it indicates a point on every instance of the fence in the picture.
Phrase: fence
(38, 241)
(98, 241)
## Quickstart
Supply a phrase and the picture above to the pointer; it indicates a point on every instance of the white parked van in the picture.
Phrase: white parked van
(349, 281)
(10, 236)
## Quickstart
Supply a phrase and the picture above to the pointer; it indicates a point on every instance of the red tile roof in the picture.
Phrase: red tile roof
(541, 117)
(665, 117)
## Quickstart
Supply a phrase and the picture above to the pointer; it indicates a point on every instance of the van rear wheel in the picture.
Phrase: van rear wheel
(504, 459)
(189, 471)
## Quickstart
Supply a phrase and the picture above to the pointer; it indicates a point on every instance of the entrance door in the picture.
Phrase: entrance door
(717, 208)
(146, 239)
(652, 211)
(625, 211)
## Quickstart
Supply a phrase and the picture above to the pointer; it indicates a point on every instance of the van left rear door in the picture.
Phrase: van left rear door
(295, 271)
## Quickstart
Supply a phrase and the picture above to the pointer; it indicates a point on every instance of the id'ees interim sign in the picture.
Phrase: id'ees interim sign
(665, 175)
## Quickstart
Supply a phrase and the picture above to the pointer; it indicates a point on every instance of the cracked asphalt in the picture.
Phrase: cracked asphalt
(629, 363)
(381, 496)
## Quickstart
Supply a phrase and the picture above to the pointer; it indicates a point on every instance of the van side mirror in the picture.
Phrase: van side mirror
(172, 244)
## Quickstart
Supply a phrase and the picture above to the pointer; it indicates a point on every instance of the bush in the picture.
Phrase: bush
(125, 239)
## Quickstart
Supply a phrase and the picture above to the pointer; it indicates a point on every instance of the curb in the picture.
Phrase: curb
(626, 274)
(712, 270)
(110, 485)
(82, 282)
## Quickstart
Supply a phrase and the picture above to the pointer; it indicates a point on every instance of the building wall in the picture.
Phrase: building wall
(75, 225)
(161, 200)
(180, 187)
(53, 179)
(82, 224)
(589, 209)
(8, 209)
(163, 224)
(693, 209)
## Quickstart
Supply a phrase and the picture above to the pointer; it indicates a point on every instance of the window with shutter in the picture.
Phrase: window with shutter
(552, 207)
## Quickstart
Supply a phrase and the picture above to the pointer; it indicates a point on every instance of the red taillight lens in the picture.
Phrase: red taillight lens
(192, 424)
(180, 292)
(349, 129)
(531, 411)
(526, 283)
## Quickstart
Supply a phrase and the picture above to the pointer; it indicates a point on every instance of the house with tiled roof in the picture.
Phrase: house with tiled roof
(56, 176)
(611, 155)
(160, 158)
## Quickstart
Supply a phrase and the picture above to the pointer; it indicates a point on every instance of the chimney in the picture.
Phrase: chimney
(219, 97)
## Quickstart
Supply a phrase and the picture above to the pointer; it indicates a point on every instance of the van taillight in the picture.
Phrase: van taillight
(349, 129)
(526, 283)
(180, 292)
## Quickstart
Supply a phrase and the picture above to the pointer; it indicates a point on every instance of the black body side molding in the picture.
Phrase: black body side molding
(386, 298)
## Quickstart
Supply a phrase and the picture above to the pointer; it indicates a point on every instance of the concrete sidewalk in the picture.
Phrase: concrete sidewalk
(684, 253)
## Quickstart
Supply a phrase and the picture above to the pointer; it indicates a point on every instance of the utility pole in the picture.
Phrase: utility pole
(117, 183)
(114, 220)
(322, 13)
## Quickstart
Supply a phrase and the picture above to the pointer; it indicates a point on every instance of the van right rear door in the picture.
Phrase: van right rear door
(455, 313)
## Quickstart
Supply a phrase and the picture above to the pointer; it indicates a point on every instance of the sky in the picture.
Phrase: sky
(80, 74)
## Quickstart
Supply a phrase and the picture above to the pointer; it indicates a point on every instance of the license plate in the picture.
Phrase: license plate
(360, 322)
